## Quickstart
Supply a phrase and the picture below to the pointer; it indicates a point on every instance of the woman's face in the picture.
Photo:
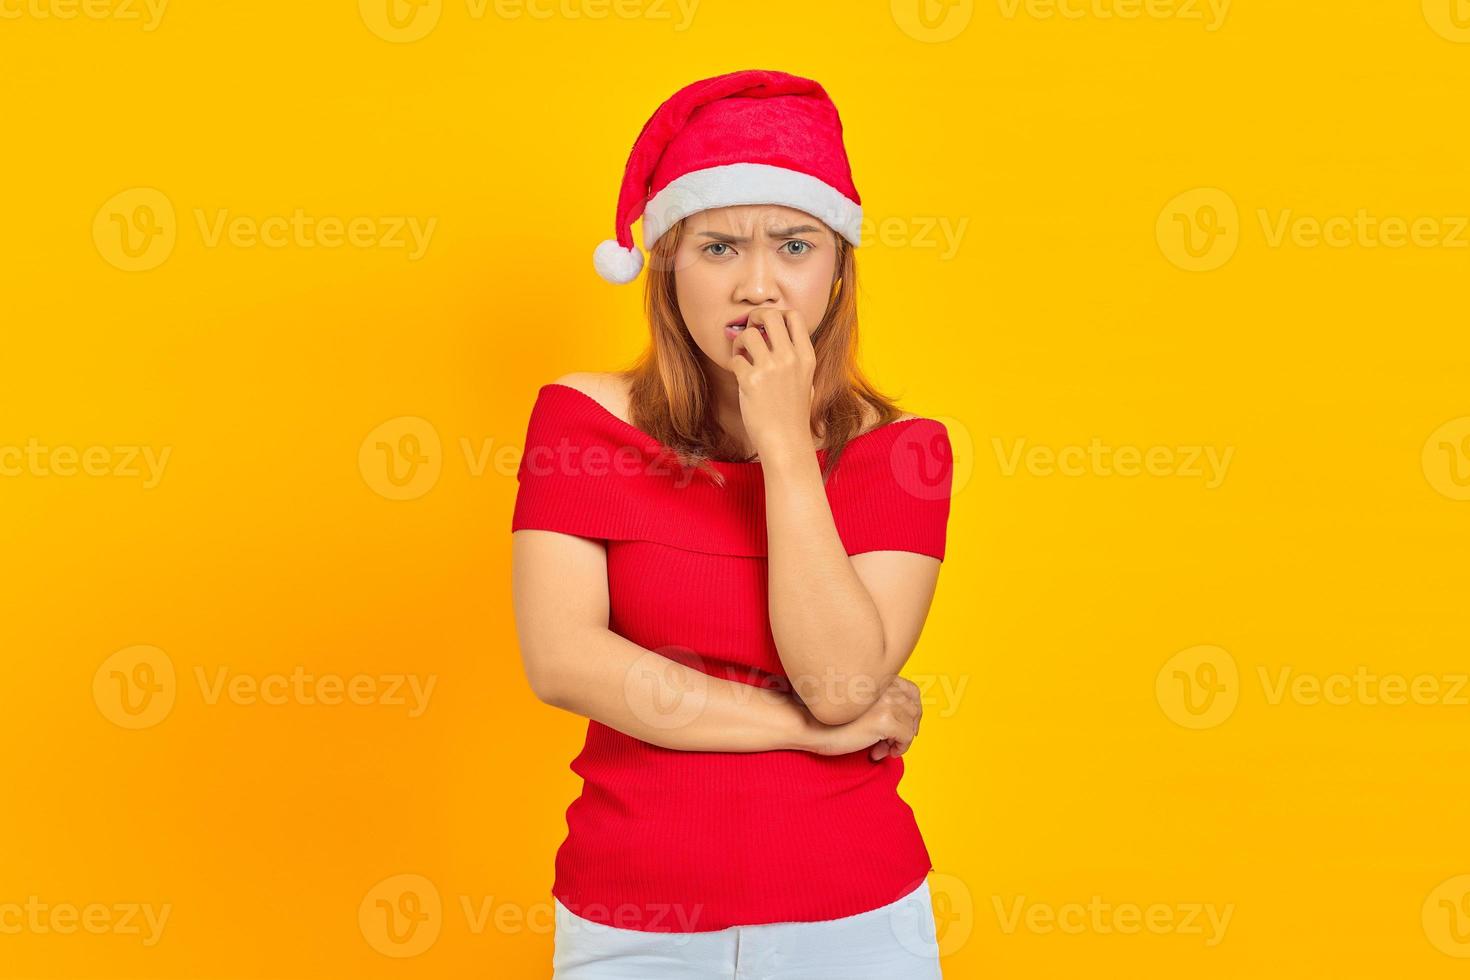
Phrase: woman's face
(732, 261)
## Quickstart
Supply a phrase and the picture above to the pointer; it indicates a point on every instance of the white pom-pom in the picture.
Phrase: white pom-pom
(615, 263)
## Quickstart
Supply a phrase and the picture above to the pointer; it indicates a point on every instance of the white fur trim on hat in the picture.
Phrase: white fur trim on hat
(615, 263)
(749, 183)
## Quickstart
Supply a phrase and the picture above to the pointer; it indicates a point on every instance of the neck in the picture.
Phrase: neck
(724, 393)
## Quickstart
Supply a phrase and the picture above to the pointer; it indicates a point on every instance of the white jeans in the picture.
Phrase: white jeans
(894, 942)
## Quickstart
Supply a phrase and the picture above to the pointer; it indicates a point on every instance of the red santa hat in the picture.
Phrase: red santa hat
(747, 137)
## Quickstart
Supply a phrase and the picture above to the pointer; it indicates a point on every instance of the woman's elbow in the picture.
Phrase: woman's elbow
(544, 686)
(546, 682)
(835, 712)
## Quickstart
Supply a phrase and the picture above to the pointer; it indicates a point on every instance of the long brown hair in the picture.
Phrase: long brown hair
(667, 397)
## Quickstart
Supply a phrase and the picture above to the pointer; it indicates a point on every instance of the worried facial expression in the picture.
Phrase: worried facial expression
(735, 260)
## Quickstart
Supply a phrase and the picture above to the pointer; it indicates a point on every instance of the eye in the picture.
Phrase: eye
(714, 245)
(805, 247)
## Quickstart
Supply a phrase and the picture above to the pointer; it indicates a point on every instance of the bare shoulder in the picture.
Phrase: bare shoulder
(607, 389)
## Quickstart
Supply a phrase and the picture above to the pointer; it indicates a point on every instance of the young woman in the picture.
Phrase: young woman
(723, 557)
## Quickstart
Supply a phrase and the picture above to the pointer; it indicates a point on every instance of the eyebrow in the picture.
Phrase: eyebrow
(778, 233)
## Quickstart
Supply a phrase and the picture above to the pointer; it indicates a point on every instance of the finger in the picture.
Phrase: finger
(801, 337)
(770, 321)
(801, 342)
(778, 330)
(740, 367)
(768, 318)
(878, 751)
(750, 340)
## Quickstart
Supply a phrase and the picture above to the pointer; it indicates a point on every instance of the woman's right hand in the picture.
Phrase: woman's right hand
(887, 728)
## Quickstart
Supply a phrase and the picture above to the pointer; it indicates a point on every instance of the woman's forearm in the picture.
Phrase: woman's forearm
(827, 629)
(610, 679)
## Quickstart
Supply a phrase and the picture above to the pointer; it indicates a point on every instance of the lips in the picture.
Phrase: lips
(735, 328)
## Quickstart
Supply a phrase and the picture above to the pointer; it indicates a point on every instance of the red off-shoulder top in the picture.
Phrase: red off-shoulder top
(662, 840)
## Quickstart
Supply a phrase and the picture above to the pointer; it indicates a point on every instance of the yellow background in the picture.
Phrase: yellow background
(1065, 154)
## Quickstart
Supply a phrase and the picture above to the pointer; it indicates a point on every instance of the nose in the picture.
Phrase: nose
(756, 282)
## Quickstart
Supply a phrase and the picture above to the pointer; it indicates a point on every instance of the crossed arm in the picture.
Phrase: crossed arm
(574, 661)
(844, 625)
